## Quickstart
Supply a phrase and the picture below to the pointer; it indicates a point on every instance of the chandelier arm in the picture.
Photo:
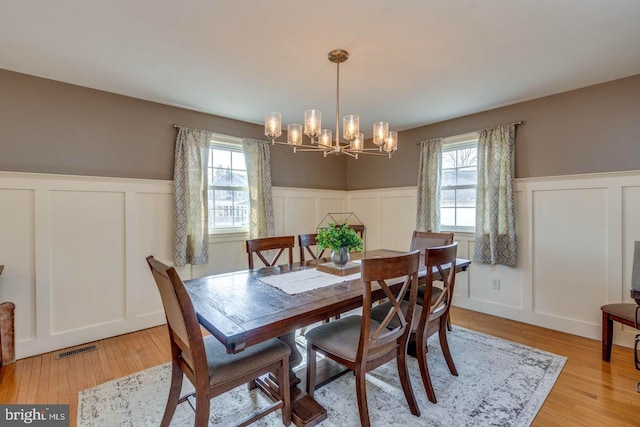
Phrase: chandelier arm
(354, 155)
(313, 147)
(371, 149)
(368, 153)
(310, 149)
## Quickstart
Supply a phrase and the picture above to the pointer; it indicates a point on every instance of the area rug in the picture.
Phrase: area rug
(500, 383)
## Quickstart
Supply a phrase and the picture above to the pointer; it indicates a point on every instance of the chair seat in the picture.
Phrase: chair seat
(341, 338)
(625, 311)
(225, 367)
(435, 294)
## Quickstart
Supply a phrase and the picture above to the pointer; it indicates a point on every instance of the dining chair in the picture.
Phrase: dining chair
(260, 246)
(625, 313)
(427, 239)
(432, 318)
(362, 344)
(359, 229)
(205, 361)
(305, 242)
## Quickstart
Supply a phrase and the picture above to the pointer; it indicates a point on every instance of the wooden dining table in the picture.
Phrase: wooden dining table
(240, 310)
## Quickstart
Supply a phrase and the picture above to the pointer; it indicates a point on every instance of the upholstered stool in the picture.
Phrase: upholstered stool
(622, 313)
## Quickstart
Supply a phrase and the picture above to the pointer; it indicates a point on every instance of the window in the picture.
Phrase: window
(228, 189)
(459, 182)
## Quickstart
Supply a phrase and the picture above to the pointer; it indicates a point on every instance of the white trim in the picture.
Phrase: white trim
(580, 176)
(462, 138)
(228, 235)
(458, 229)
(82, 178)
(220, 139)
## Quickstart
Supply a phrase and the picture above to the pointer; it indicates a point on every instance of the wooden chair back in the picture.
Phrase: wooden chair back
(187, 345)
(305, 242)
(362, 344)
(279, 244)
(379, 271)
(359, 229)
(422, 240)
(443, 259)
(434, 312)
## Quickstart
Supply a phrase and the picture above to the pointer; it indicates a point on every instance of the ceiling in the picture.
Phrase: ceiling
(412, 62)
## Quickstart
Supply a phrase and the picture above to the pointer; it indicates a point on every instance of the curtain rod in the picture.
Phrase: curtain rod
(189, 127)
(507, 124)
(215, 134)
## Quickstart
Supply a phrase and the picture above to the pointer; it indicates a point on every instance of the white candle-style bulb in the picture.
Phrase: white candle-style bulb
(358, 142)
(325, 137)
(294, 134)
(272, 124)
(380, 132)
(392, 142)
(312, 123)
(351, 127)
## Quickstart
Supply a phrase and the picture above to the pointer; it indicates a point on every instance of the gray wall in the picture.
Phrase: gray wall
(53, 127)
(593, 129)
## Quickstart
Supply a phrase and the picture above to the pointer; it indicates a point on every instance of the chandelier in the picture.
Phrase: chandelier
(386, 141)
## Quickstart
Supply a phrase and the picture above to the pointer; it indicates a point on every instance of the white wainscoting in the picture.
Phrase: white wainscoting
(74, 249)
(74, 252)
(575, 240)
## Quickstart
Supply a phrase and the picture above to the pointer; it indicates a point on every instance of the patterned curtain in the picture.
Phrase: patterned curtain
(429, 171)
(257, 156)
(495, 207)
(190, 190)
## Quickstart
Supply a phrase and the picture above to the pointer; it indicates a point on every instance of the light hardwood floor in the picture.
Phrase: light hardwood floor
(588, 392)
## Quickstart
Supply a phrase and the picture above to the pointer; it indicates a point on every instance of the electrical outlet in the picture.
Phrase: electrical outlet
(495, 284)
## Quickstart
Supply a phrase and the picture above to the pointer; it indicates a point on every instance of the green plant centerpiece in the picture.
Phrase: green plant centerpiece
(341, 239)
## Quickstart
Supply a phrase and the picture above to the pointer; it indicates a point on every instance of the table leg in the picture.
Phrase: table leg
(305, 411)
(295, 358)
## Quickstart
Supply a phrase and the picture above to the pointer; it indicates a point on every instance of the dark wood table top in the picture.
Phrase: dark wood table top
(240, 310)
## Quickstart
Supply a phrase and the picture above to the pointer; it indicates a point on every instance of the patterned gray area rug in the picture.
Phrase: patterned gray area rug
(500, 383)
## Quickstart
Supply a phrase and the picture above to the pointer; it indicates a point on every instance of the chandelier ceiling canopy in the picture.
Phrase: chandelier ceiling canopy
(320, 140)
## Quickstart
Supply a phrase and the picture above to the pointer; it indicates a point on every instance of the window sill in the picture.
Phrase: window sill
(459, 231)
(221, 236)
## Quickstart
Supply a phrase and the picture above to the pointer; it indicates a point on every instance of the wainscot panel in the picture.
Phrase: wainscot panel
(17, 254)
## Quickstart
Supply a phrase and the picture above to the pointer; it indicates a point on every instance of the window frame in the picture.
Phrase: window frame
(454, 143)
(228, 143)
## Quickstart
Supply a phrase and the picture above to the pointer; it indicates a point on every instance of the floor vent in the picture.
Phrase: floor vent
(76, 351)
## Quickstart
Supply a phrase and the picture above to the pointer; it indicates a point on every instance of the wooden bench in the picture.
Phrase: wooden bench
(624, 313)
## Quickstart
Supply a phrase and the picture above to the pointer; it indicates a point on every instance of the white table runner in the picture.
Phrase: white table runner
(300, 281)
